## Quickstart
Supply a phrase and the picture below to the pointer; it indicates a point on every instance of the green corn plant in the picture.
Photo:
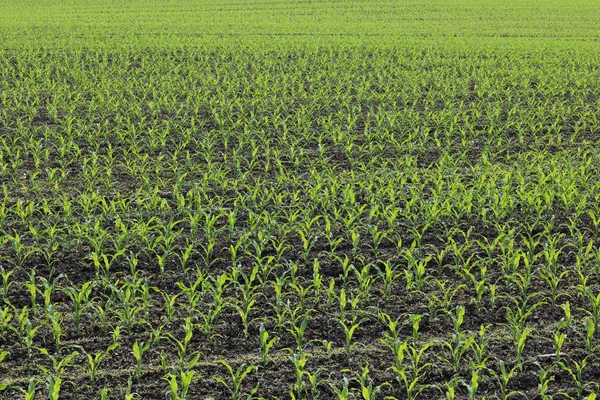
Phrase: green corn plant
(55, 320)
(313, 384)
(590, 339)
(451, 389)
(58, 364)
(559, 340)
(237, 379)
(80, 299)
(244, 311)
(179, 385)
(364, 279)
(169, 301)
(297, 333)
(279, 305)
(193, 293)
(25, 330)
(127, 314)
(415, 273)
(415, 320)
(553, 282)
(349, 331)
(94, 362)
(473, 386)
(567, 320)
(409, 377)
(53, 386)
(21, 252)
(520, 338)
(392, 335)
(594, 304)
(183, 345)
(317, 281)
(343, 392)
(6, 282)
(184, 257)
(5, 317)
(30, 392)
(209, 318)
(343, 301)
(102, 313)
(517, 318)
(440, 301)
(479, 347)
(367, 390)
(388, 276)
(580, 385)
(299, 387)
(545, 379)
(138, 351)
(331, 294)
(459, 344)
(32, 289)
(355, 308)
(265, 343)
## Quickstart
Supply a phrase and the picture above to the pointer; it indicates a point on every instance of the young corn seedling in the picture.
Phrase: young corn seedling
(179, 384)
(519, 339)
(364, 279)
(594, 305)
(440, 301)
(313, 384)
(415, 273)
(580, 385)
(55, 320)
(409, 378)
(297, 333)
(5, 317)
(317, 281)
(367, 390)
(459, 344)
(58, 365)
(543, 386)
(25, 330)
(21, 252)
(591, 342)
(6, 282)
(265, 343)
(209, 318)
(185, 358)
(80, 299)
(479, 347)
(30, 392)
(169, 302)
(299, 387)
(244, 311)
(415, 320)
(388, 276)
(138, 351)
(349, 331)
(94, 362)
(53, 386)
(343, 392)
(473, 386)
(392, 335)
(237, 379)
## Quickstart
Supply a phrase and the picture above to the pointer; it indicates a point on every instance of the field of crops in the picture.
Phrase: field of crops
(299, 200)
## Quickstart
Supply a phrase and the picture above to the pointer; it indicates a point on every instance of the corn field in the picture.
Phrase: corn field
(299, 200)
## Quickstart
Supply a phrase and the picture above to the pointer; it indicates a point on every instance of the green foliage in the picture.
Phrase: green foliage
(405, 194)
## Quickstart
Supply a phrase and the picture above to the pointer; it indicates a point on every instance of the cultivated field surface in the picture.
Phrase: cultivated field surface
(245, 199)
